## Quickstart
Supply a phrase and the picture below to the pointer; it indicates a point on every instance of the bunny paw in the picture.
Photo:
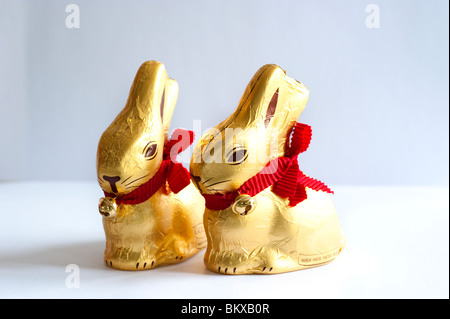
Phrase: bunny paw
(226, 270)
(267, 269)
(145, 265)
(130, 266)
(243, 270)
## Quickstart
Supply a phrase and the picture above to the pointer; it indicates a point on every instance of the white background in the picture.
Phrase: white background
(378, 108)
(379, 97)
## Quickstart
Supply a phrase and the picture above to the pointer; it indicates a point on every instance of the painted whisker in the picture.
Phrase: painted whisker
(227, 180)
(135, 180)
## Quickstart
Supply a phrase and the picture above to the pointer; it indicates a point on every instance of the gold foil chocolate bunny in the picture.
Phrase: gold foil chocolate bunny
(152, 214)
(263, 214)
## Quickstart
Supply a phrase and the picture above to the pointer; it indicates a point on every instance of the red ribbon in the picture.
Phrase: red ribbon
(282, 173)
(171, 171)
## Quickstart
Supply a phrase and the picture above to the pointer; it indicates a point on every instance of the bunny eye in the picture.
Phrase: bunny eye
(237, 155)
(150, 150)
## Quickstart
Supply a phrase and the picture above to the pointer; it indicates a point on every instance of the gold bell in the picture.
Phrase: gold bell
(107, 207)
(244, 205)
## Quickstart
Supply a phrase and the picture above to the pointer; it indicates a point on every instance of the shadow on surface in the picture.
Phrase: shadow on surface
(83, 254)
(88, 255)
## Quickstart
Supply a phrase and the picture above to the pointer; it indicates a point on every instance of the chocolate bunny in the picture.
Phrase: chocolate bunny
(152, 214)
(263, 215)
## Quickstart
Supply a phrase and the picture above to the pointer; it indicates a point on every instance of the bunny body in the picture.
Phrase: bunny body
(274, 237)
(166, 227)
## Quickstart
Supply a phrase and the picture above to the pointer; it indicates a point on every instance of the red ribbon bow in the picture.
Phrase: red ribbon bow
(171, 171)
(282, 173)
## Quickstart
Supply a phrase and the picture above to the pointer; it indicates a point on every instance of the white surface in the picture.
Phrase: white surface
(397, 247)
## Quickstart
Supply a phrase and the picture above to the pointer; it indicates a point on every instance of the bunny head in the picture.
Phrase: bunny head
(242, 145)
(130, 151)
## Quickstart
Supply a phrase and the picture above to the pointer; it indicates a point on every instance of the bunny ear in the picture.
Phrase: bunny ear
(168, 102)
(271, 108)
(162, 106)
(272, 100)
(147, 94)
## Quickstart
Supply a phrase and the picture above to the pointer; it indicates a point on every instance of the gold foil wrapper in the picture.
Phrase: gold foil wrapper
(167, 228)
(263, 234)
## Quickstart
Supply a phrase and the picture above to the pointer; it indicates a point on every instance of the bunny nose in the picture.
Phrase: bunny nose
(112, 180)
